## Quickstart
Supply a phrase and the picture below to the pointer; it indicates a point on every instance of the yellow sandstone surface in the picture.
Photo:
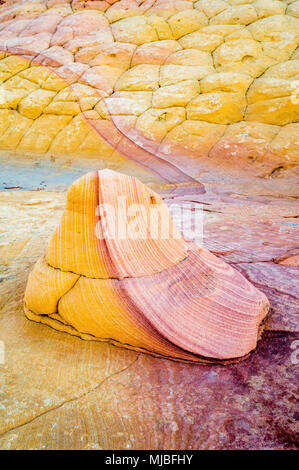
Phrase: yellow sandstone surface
(72, 72)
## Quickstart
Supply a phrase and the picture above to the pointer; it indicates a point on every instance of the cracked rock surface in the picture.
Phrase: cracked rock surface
(177, 81)
(58, 391)
(199, 100)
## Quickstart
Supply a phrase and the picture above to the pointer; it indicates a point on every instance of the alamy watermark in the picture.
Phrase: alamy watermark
(123, 221)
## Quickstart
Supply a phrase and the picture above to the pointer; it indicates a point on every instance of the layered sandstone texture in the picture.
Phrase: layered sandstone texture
(60, 392)
(155, 81)
(140, 287)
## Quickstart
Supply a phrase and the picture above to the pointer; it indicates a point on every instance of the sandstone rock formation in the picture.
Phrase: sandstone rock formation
(159, 81)
(59, 392)
(73, 100)
(151, 293)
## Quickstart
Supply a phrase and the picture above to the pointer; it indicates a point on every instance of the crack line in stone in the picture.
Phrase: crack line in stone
(70, 400)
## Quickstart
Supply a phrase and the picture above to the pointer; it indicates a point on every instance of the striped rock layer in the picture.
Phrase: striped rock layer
(155, 293)
(161, 82)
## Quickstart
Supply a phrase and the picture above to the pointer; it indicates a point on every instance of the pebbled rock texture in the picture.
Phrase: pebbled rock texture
(171, 82)
(203, 95)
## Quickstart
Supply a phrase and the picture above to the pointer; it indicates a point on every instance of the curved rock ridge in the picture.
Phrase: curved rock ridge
(161, 82)
(154, 293)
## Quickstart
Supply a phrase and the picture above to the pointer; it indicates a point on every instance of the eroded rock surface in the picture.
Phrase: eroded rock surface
(156, 81)
(140, 285)
(203, 95)
(58, 391)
